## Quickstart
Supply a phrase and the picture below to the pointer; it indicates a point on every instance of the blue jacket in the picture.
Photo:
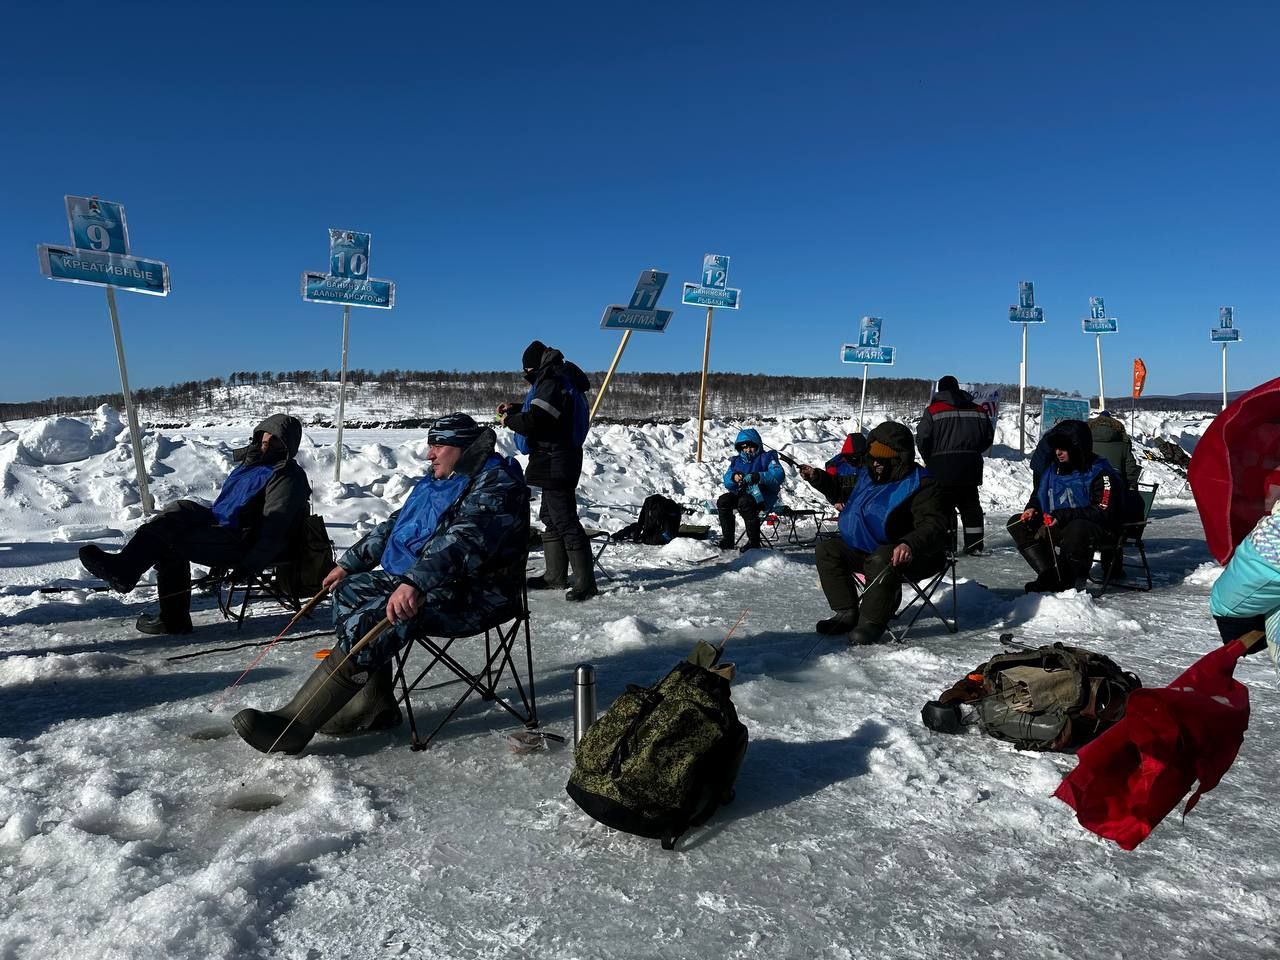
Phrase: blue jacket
(762, 474)
(864, 520)
(463, 534)
(242, 484)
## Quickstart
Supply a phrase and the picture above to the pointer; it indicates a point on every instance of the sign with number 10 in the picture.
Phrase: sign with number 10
(348, 254)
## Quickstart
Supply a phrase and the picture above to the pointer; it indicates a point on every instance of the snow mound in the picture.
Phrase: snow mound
(21, 670)
(687, 549)
(1205, 575)
(1072, 612)
(80, 532)
(70, 439)
(7, 436)
(627, 632)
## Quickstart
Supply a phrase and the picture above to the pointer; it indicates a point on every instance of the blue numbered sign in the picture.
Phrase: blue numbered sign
(97, 225)
(348, 254)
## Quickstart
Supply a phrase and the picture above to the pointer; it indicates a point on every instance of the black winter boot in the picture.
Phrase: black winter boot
(841, 622)
(584, 575)
(726, 528)
(106, 566)
(373, 708)
(290, 729)
(1039, 555)
(155, 623)
(556, 561)
(865, 634)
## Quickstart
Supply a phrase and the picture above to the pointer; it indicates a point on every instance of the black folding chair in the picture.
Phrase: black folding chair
(275, 582)
(1130, 534)
(922, 600)
(603, 538)
(501, 653)
(786, 518)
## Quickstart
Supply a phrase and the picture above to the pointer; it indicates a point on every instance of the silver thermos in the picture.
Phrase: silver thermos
(584, 700)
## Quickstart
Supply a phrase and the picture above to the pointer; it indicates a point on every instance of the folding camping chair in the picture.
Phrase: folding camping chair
(275, 582)
(1130, 535)
(603, 538)
(501, 651)
(922, 600)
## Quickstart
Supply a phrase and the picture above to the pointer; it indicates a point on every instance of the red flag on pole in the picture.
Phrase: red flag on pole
(1131, 776)
(1139, 377)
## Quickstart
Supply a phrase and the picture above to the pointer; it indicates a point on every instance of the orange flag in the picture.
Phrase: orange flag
(1139, 377)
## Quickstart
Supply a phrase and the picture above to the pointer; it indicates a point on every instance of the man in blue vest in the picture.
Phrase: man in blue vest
(753, 478)
(257, 515)
(1076, 506)
(450, 562)
(892, 528)
(551, 426)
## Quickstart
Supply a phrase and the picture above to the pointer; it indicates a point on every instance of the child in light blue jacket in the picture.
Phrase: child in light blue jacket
(1247, 595)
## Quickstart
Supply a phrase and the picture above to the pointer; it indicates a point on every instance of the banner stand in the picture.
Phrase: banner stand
(641, 313)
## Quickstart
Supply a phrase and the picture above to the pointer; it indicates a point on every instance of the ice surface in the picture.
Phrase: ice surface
(134, 823)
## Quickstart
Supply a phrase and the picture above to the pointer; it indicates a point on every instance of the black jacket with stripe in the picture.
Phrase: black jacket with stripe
(952, 436)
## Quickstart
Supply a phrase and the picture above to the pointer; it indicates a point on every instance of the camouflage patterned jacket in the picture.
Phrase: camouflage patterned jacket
(480, 542)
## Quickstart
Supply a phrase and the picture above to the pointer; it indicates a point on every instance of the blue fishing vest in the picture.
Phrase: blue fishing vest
(242, 485)
(579, 411)
(420, 517)
(843, 467)
(1059, 491)
(866, 512)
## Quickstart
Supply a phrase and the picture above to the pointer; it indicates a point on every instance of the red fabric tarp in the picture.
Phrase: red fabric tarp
(1231, 465)
(1132, 775)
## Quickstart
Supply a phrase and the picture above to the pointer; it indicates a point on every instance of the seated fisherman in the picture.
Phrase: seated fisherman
(262, 504)
(1075, 508)
(753, 480)
(893, 527)
(449, 562)
(847, 462)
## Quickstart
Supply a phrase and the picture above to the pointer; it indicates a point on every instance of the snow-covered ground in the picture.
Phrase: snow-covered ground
(857, 832)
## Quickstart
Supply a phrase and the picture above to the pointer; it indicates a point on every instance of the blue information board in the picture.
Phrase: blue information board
(104, 269)
(715, 271)
(857, 353)
(714, 291)
(642, 312)
(1226, 317)
(97, 225)
(1100, 324)
(326, 288)
(869, 331)
(99, 251)
(348, 281)
(1025, 310)
(1224, 335)
(349, 253)
(1053, 410)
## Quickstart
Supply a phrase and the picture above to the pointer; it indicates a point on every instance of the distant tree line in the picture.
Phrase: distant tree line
(420, 394)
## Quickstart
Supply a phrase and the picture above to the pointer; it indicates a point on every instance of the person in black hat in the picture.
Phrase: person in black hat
(551, 426)
(952, 437)
(450, 562)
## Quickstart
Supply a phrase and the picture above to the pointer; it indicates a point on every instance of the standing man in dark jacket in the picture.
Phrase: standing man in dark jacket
(551, 427)
(1069, 514)
(255, 518)
(449, 562)
(953, 435)
(892, 528)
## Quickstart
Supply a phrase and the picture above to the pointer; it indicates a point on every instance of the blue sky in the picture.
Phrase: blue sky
(519, 164)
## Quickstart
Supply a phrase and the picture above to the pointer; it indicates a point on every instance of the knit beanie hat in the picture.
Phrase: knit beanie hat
(881, 451)
(454, 430)
(532, 358)
(948, 383)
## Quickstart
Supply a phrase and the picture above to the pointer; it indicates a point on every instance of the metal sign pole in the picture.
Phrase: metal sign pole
(1102, 390)
(342, 396)
(1022, 397)
(862, 409)
(626, 335)
(702, 391)
(1224, 376)
(135, 436)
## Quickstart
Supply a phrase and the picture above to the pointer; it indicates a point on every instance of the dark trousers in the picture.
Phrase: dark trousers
(745, 504)
(965, 501)
(360, 602)
(837, 563)
(1074, 541)
(184, 533)
(559, 514)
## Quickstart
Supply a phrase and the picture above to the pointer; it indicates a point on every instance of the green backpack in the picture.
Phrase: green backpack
(1053, 697)
(660, 760)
